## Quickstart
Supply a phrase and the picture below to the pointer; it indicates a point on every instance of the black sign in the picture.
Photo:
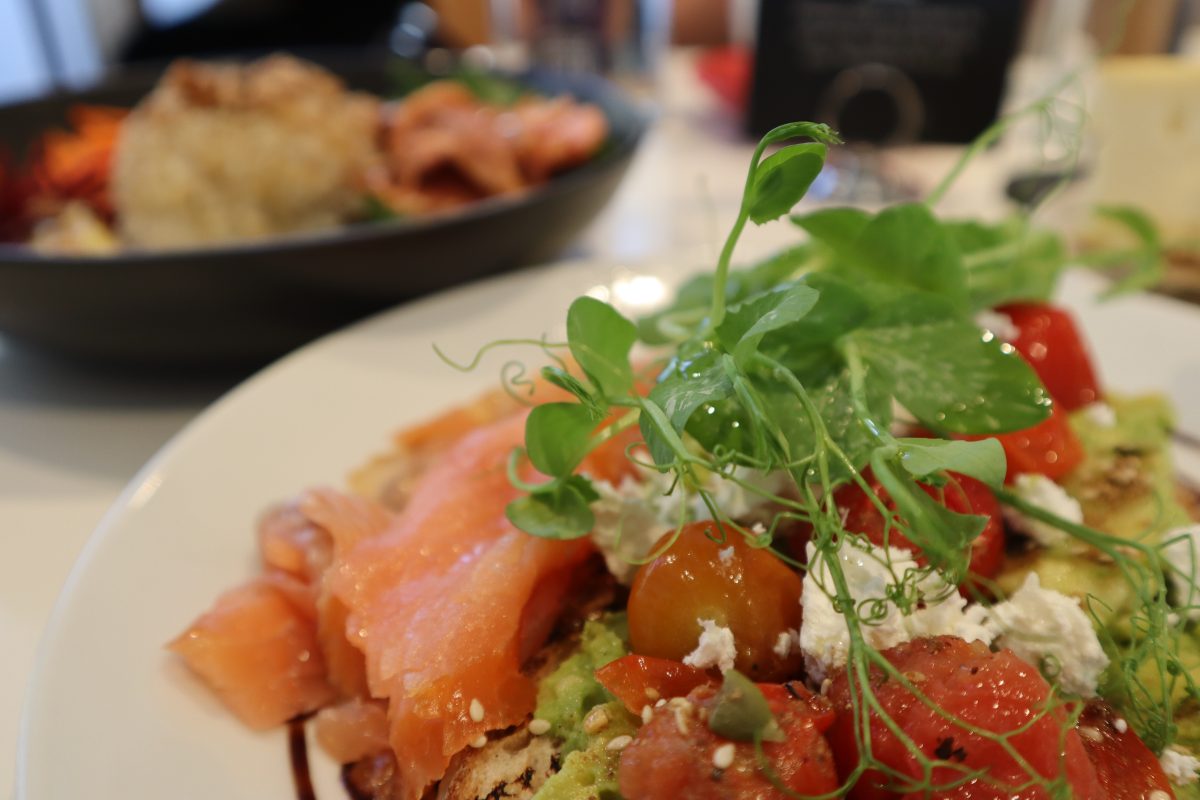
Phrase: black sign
(884, 70)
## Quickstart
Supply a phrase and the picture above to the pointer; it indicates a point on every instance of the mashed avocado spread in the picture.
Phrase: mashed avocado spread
(567, 696)
(1125, 487)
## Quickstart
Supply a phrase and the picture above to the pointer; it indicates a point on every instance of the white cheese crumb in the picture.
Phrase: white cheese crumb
(1181, 766)
(476, 710)
(1100, 414)
(1182, 556)
(726, 555)
(1121, 725)
(722, 757)
(632, 516)
(998, 324)
(539, 727)
(619, 742)
(1040, 491)
(870, 571)
(786, 642)
(716, 648)
(758, 529)
(1048, 628)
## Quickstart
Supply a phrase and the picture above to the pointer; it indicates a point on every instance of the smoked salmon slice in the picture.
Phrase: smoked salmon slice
(257, 649)
(439, 600)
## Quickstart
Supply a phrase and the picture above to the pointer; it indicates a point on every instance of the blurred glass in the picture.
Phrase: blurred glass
(625, 40)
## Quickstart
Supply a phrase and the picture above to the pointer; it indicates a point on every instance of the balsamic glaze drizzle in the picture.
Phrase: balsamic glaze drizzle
(298, 755)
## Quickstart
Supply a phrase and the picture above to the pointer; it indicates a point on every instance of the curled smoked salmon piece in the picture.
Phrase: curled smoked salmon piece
(438, 603)
(257, 649)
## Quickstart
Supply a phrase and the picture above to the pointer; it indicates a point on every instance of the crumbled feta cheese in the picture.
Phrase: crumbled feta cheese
(626, 526)
(1100, 414)
(998, 324)
(870, 572)
(633, 515)
(726, 555)
(1181, 766)
(1182, 556)
(716, 648)
(1048, 628)
(1047, 495)
(786, 642)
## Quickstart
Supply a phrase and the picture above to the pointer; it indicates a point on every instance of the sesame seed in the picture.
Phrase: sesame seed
(1091, 733)
(539, 726)
(618, 743)
(826, 685)
(1121, 725)
(595, 721)
(476, 710)
(722, 757)
(652, 693)
(479, 741)
(660, 703)
(1158, 794)
(647, 714)
(681, 723)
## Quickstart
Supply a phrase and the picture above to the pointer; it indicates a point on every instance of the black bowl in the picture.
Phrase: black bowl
(247, 303)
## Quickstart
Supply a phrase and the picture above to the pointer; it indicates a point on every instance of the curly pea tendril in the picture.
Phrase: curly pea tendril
(794, 367)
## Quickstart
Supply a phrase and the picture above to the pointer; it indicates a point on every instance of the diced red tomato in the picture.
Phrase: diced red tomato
(638, 681)
(963, 494)
(726, 580)
(996, 692)
(673, 754)
(1125, 766)
(1050, 341)
(1049, 448)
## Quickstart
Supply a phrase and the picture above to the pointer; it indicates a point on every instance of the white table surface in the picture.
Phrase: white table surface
(70, 438)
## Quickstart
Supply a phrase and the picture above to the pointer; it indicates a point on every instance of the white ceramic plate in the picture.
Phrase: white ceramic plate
(111, 717)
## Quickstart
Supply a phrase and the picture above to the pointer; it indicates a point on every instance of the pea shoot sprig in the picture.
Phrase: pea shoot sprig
(795, 365)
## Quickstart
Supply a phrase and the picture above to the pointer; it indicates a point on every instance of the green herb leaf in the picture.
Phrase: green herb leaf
(600, 340)
(983, 460)
(678, 321)
(943, 536)
(836, 228)
(685, 386)
(748, 322)
(565, 380)
(558, 436)
(741, 712)
(782, 179)
(1145, 263)
(1008, 262)
(952, 378)
(559, 510)
(903, 246)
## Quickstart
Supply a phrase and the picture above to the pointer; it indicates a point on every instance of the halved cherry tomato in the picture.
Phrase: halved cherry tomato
(1049, 448)
(675, 754)
(1125, 766)
(972, 690)
(962, 494)
(1051, 343)
(701, 577)
(638, 681)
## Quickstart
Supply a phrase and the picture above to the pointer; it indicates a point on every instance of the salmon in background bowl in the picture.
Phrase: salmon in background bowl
(247, 300)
